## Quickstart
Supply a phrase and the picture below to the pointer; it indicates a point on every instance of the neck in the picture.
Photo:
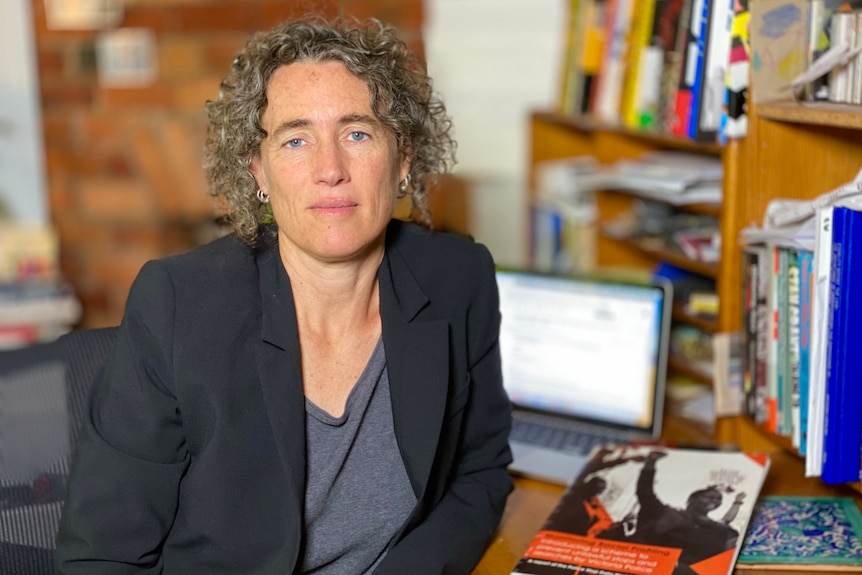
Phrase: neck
(334, 298)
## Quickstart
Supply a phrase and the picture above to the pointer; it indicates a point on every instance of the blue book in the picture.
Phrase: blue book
(806, 277)
(843, 417)
(715, 61)
(697, 73)
(546, 238)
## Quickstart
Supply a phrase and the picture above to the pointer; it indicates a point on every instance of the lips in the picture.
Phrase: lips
(333, 204)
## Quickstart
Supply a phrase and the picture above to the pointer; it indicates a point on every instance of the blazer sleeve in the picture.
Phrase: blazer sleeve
(458, 529)
(131, 453)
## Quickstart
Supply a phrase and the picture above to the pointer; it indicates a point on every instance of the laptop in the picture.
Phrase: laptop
(584, 363)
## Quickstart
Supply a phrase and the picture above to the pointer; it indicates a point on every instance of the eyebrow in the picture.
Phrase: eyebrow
(347, 119)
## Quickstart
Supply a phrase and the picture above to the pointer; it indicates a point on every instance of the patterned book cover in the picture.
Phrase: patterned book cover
(811, 533)
(650, 511)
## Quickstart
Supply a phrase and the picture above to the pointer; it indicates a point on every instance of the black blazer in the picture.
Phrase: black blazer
(192, 459)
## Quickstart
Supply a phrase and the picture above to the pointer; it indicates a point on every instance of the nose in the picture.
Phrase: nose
(330, 163)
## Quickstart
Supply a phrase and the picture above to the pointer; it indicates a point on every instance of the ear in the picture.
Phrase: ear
(406, 160)
(256, 170)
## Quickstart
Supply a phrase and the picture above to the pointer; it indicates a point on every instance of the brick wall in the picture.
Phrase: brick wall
(124, 178)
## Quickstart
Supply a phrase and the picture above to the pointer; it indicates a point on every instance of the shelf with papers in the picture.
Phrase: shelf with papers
(555, 136)
(702, 322)
(680, 365)
(704, 209)
(672, 256)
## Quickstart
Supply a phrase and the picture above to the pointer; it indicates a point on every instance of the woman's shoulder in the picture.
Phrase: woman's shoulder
(227, 250)
(416, 242)
(222, 259)
(443, 263)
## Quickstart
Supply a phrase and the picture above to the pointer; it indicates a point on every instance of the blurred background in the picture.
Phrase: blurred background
(102, 124)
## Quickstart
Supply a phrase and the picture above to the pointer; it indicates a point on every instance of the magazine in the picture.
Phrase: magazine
(647, 510)
(810, 533)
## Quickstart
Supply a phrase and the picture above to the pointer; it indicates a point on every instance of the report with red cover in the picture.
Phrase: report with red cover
(648, 510)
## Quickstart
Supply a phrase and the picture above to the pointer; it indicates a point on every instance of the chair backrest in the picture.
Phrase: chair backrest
(43, 399)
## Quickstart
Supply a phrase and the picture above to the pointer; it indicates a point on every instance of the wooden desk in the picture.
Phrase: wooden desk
(532, 501)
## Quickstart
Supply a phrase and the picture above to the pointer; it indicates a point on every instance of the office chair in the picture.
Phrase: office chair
(43, 398)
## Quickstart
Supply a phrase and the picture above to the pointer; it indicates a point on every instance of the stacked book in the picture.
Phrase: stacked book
(802, 271)
(36, 304)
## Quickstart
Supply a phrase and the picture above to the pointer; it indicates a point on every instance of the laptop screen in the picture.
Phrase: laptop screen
(594, 349)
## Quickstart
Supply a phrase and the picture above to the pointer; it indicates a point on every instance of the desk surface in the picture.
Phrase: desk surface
(532, 501)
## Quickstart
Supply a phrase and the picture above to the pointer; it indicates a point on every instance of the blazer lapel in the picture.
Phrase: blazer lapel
(417, 359)
(281, 378)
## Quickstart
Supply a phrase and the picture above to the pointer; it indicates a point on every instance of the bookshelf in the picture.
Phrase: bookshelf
(799, 151)
(556, 136)
(792, 150)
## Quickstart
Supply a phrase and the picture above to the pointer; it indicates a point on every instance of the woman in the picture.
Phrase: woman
(319, 392)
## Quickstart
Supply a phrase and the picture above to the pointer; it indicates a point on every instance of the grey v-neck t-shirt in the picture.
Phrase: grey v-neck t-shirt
(358, 494)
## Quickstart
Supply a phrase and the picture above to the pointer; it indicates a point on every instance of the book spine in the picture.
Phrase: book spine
(697, 85)
(634, 82)
(662, 39)
(806, 279)
(749, 330)
(764, 270)
(595, 16)
(567, 99)
(734, 117)
(843, 423)
(782, 366)
(819, 341)
(546, 238)
(792, 415)
(682, 106)
(772, 345)
(818, 42)
(839, 77)
(609, 90)
(673, 65)
(60, 310)
(713, 87)
(856, 86)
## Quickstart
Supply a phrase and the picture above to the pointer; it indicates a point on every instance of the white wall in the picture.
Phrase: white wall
(493, 61)
(22, 174)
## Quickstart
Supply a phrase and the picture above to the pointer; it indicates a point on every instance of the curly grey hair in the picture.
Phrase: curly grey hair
(401, 98)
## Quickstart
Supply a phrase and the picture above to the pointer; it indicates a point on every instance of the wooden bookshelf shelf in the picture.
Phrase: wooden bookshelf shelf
(813, 113)
(590, 124)
(680, 365)
(702, 209)
(792, 150)
(702, 322)
(677, 258)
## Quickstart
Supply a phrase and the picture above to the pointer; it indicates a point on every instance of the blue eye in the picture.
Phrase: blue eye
(294, 143)
(358, 136)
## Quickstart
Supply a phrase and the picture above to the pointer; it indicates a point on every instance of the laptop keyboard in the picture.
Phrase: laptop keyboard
(568, 436)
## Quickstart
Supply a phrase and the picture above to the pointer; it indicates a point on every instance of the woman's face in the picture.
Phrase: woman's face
(331, 169)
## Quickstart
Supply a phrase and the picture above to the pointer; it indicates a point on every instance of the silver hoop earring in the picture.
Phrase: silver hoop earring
(404, 186)
(262, 196)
